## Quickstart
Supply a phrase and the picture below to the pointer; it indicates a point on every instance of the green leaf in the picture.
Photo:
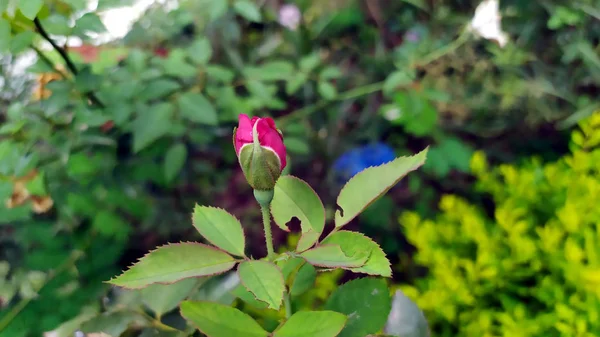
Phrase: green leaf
(30, 8)
(196, 108)
(417, 114)
(296, 145)
(80, 5)
(295, 82)
(220, 73)
(449, 153)
(89, 22)
(216, 9)
(313, 324)
(220, 228)
(371, 183)
(57, 24)
(242, 293)
(3, 6)
(327, 90)
(396, 79)
(174, 160)
(21, 42)
(151, 125)
(162, 298)
(309, 62)
(113, 324)
(5, 33)
(367, 303)
(332, 256)
(174, 262)
(200, 51)
(303, 279)
(330, 72)
(307, 240)
(264, 280)
(176, 65)
(158, 89)
(108, 4)
(37, 186)
(352, 243)
(136, 61)
(218, 320)
(405, 318)
(295, 198)
(270, 71)
(110, 224)
(248, 10)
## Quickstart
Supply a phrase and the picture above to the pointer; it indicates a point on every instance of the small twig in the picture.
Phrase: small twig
(377, 86)
(48, 61)
(60, 50)
(63, 54)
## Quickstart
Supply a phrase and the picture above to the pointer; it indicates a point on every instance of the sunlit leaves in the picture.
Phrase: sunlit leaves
(89, 23)
(332, 256)
(30, 8)
(174, 262)
(352, 243)
(295, 198)
(368, 185)
(264, 280)
(220, 228)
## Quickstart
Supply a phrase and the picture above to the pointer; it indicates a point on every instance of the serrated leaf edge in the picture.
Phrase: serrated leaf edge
(111, 281)
(413, 168)
(309, 247)
(250, 291)
(376, 245)
(216, 246)
(320, 265)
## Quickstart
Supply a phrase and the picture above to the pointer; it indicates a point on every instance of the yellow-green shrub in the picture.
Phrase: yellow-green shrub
(530, 269)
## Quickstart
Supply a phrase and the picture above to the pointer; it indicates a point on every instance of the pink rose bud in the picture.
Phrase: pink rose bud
(260, 150)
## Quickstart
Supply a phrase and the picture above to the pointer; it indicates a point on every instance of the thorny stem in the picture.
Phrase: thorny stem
(266, 215)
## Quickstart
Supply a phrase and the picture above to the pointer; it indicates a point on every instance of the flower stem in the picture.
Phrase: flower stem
(266, 215)
(288, 305)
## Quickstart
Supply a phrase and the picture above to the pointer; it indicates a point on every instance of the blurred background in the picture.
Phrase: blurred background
(117, 117)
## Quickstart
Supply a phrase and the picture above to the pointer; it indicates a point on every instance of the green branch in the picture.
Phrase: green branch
(63, 54)
(377, 86)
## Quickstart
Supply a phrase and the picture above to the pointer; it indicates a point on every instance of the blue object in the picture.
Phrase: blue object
(357, 159)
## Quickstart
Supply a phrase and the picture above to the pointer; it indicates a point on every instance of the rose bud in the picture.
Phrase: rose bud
(260, 150)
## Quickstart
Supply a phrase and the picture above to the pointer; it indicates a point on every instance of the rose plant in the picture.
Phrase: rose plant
(356, 309)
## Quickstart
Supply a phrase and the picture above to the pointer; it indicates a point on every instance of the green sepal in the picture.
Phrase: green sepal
(261, 167)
